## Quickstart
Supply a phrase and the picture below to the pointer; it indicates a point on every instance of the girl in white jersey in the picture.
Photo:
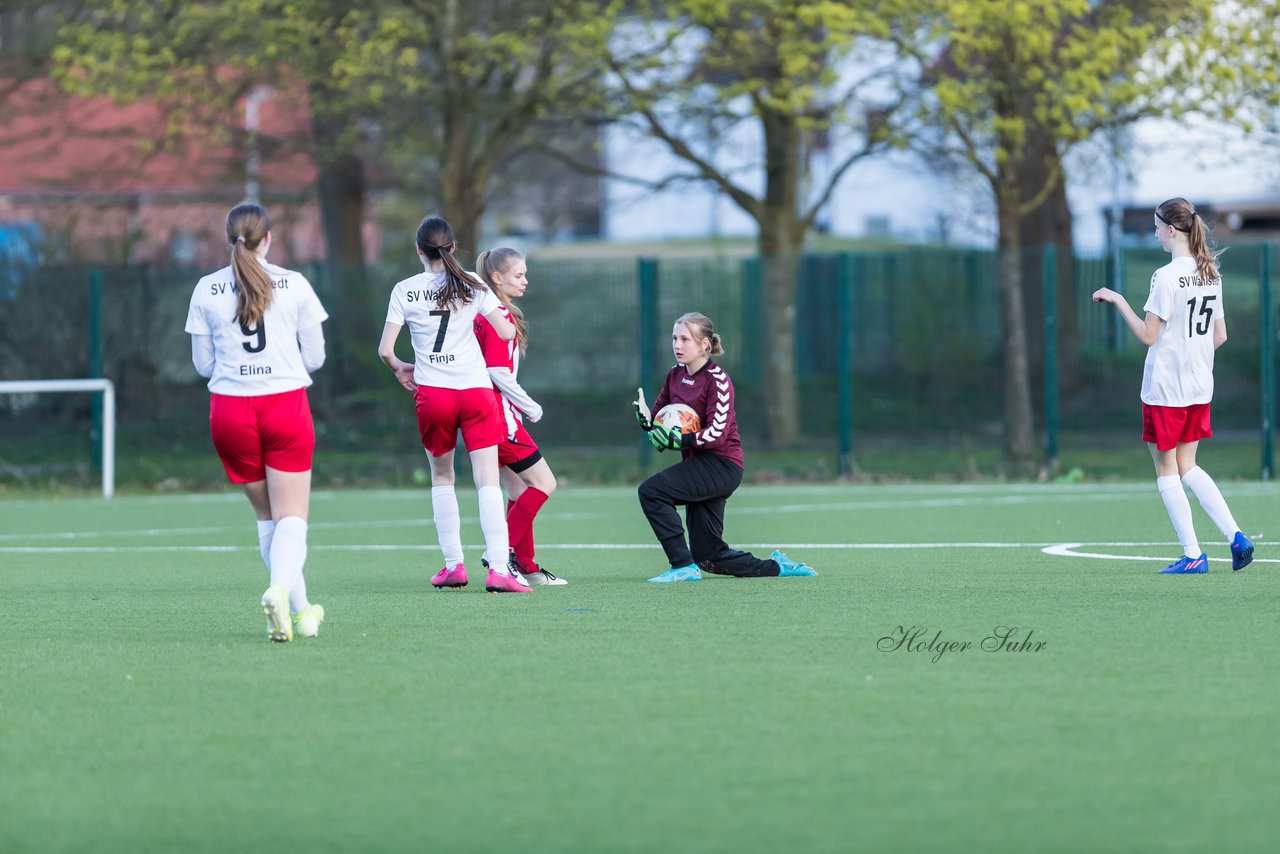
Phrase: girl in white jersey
(524, 472)
(1183, 327)
(255, 333)
(452, 392)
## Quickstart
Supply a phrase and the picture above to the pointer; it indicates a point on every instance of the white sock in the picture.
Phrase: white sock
(1199, 482)
(493, 521)
(265, 530)
(288, 555)
(1175, 502)
(444, 509)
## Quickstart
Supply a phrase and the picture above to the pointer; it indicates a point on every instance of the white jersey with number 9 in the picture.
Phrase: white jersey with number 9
(263, 358)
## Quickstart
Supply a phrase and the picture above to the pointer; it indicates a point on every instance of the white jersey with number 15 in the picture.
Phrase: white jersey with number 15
(1179, 366)
(446, 353)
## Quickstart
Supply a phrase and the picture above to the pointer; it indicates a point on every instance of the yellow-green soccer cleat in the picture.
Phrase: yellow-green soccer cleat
(275, 604)
(306, 623)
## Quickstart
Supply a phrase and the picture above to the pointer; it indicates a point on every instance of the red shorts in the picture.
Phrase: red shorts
(442, 412)
(1170, 426)
(518, 448)
(251, 433)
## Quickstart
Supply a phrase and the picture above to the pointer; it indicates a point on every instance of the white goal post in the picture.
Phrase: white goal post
(108, 415)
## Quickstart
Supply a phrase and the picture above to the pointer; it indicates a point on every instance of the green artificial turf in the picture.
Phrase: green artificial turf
(142, 708)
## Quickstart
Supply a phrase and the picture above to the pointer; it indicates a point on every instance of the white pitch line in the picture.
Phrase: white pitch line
(1055, 549)
(1069, 550)
(740, 510)
(219, 529)
(957, 495)
(393, 547)
(927, 503)
(980, 491)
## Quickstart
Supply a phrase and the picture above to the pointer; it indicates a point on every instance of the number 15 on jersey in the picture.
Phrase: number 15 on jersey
(1204, 315)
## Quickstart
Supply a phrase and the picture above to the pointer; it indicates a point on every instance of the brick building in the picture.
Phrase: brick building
(91, 181)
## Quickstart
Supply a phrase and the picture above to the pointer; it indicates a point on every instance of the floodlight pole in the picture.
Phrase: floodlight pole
(844, 371)
(1115, 241)
(647, 305)
(1049, 275)
(253, 161)
(1266, 358)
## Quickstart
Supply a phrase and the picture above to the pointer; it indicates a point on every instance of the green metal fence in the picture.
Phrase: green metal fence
(890, 346)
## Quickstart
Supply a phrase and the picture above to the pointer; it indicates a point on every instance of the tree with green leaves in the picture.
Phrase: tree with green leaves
(1014, 86)
(688, 71)
(447, 88)
(28, 32)
(432, 94)
(464, 86)
(200, 61)
(1244, 82)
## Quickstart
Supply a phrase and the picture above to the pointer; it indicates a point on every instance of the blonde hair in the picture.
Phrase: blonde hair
(1180, 215)
(702, 328)
(247, 226)
(499, 261)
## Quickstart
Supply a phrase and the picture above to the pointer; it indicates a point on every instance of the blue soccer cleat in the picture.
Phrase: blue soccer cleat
(788, 568)
(1241, 551)
(1188, 566)
(680, 573)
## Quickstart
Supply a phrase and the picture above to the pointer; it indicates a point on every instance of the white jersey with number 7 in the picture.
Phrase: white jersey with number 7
(445, 351)
(263, 358)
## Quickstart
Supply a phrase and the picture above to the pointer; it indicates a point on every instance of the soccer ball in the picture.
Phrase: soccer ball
(678, 415)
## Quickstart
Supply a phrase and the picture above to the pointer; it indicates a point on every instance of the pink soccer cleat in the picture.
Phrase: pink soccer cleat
(504, 582)
(456, 577)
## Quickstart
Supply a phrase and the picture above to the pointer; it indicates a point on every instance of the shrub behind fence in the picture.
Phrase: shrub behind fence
(920, 330)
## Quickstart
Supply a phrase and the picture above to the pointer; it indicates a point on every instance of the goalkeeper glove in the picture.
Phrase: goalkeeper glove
(642, 411)
(664, 439)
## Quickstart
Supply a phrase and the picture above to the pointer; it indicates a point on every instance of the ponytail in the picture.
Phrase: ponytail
(1180, 215)
(436, 243)
(1198, 243)
(498, 261)
(702, 328)
(247, 226)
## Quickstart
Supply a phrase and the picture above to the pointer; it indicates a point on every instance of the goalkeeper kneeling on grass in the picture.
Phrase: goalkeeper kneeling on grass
(711, 468)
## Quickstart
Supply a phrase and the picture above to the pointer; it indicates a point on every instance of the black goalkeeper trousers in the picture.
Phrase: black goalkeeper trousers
(702, 483)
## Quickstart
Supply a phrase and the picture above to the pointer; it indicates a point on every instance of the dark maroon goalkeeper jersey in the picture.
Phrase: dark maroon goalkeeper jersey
(710, 393)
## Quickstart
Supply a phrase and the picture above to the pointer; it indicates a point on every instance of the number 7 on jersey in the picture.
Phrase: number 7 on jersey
(444, 326)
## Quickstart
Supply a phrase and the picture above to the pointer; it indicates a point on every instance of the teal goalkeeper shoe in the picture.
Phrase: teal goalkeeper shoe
(788, 568)
(680, 573)
(1188, 566)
